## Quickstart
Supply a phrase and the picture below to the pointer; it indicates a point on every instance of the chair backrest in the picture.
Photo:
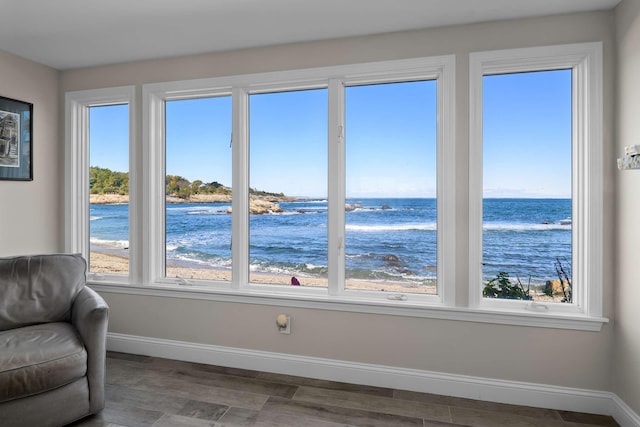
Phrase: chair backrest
(39, 288)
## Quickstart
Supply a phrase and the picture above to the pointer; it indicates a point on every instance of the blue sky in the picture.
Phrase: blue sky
(288, 142)
(391, 133)
(108, 137)
(390, 138)
(527, 134)
(198, 134)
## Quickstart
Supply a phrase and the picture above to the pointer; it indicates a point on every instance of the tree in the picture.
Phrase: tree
(103, 180)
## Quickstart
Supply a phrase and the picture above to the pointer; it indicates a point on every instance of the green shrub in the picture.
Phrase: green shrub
(502, 287)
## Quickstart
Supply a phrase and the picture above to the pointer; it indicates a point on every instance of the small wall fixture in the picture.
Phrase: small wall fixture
(283, 321)
(631, 158)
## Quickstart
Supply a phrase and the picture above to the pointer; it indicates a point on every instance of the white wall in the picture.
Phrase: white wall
(30, 211)
(548, 356)
(626, 371)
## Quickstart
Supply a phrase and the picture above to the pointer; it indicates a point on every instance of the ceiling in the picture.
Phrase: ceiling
(66, 34)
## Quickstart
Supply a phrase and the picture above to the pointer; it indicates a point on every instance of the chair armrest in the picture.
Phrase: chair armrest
(90, 316)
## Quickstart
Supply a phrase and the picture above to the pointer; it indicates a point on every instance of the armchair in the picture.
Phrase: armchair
(52, 341)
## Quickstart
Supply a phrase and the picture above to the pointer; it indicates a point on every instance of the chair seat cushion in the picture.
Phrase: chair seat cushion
(38, 358)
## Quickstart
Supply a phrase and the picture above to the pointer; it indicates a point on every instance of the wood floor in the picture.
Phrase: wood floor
(148, 391)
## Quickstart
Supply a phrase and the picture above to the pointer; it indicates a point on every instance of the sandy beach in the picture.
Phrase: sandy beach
(102, 262)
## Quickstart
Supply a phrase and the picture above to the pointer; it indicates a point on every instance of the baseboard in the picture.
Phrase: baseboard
(623, 414)
(511, 392)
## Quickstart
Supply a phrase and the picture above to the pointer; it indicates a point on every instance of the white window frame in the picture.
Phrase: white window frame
(334, 79)
(585, 61)
(147, 189)
(445, 177)
(76, 236)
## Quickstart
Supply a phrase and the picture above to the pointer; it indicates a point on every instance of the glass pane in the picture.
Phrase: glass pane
(109, 189)
(527, 186)
(288, 188)
(198, 188)
(391, 215)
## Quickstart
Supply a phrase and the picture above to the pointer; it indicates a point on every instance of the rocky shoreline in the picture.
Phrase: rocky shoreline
(257, 205)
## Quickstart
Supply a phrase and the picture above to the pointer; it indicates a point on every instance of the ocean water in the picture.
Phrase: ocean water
(392, 239)
(524, 237)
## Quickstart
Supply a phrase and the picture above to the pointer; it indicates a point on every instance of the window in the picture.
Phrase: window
(198, 188)
(391, 206)
(290, 223)
(535, 180)
(288, 188)
(526, 209)
(337, 187)
(101, 209)
(109, 189)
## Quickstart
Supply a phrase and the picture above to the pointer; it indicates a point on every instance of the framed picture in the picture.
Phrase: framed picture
(15, 140)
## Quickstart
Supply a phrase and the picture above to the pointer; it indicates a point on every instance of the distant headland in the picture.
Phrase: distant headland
(109, 187)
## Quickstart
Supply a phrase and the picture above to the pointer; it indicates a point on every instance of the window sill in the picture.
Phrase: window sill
(406, 308)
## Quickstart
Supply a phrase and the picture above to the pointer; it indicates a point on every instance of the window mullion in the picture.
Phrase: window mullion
(135, 204)
(77, 204)
(587, 146)
(475, 184)
(240, 185)
(336, 190)
(446, 193)
(153, 198)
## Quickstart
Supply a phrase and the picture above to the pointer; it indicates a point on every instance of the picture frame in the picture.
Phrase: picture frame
(16, 145)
